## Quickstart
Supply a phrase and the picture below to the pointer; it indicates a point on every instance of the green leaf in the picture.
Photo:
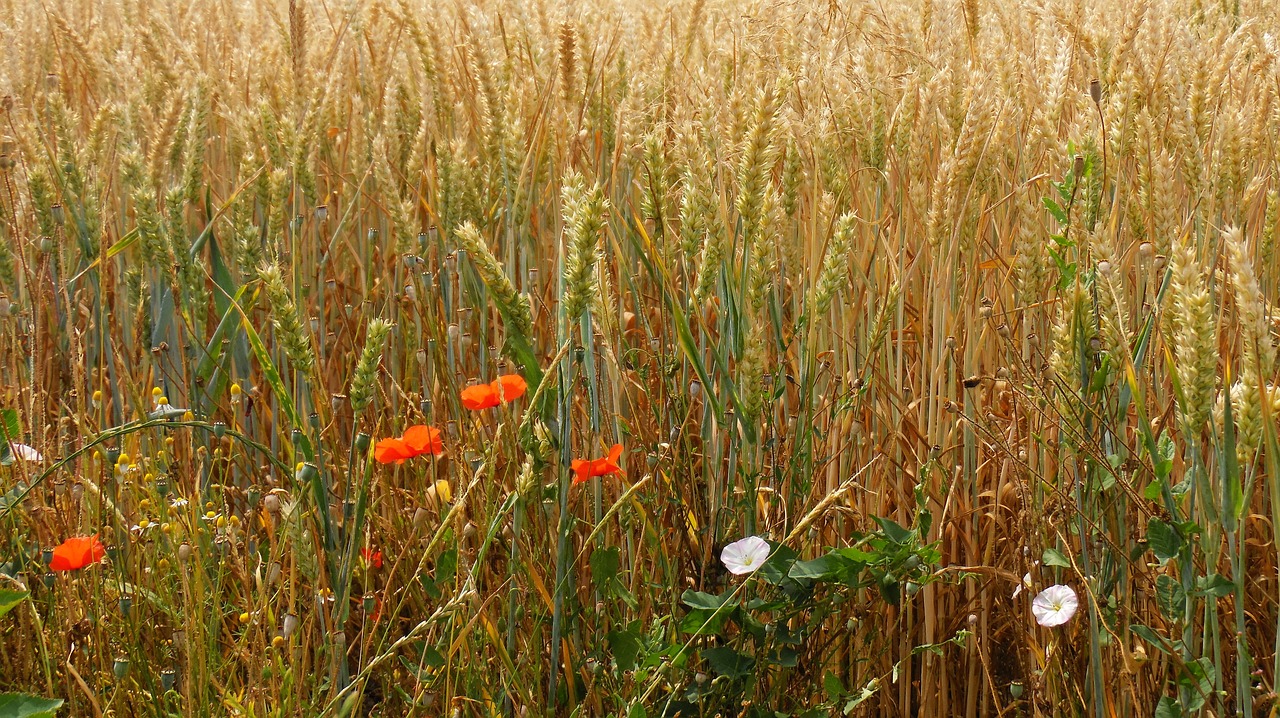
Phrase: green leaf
(10, 424)
(1171, 597)
(727, 662)
(9, 600)
(1054, 557)
(272, 376)
(785, 657)
(1199, 679)
(819, 569)
(447, 566)
(778, 565)
(1153, 490)
(1163, 460)
(604, 564)
(20, 705)
(625, 647)
(429, 586)
(832, 685)
(894, 531)
(121, 245)
(1055, 210)
(1150, 636)
(704, 622)
(1215, 584)
(698, 600)
(1168, 708)
(213, 350)
(1164, 539)
(1232, 492)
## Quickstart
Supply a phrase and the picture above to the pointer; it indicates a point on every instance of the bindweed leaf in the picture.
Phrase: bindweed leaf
(1164, 539)
(9, 599)
(1054, 557)
(20, 705)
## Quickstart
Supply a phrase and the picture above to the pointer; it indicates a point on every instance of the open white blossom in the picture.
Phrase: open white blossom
(24, 452)
(1055, 606)
(745, 555)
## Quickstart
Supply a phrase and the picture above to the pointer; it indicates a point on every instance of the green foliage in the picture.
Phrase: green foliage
(10, 599)
(759, 630)
(19, 705)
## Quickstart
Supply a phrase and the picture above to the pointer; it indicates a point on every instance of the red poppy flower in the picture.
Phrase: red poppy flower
(392, 449)
(589, 468)
(76, 553)
(503, 389)
(424, 440)
(371, 557)
(416, 441)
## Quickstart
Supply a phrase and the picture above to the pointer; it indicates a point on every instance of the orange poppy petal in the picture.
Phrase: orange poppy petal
(423, 440)
(615, 453)
(76, 553)
(511, 386)
(61, 560)
(96, 550)
(392, 449)
(480, 396)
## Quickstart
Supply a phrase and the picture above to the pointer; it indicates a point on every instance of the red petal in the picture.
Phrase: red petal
(76, 553)
(392, 449)
(423, 440)
(510, 386)
(480, 396)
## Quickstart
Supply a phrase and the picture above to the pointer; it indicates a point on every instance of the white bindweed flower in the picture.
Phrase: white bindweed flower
(745, 555)
(1026, 583)
(1055, 606)
(24, 452)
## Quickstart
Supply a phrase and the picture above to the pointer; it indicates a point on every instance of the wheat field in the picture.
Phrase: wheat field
(709, 358)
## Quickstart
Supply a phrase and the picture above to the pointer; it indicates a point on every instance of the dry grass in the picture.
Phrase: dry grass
(993, 263)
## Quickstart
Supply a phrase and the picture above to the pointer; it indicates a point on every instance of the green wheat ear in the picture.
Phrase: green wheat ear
(584, 220)
(362, 382)
(284, 316)
(514, 307)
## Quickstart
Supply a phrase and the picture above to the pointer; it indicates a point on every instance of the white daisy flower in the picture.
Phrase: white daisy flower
(24, 452)
(746, 555)
(1055, 606)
